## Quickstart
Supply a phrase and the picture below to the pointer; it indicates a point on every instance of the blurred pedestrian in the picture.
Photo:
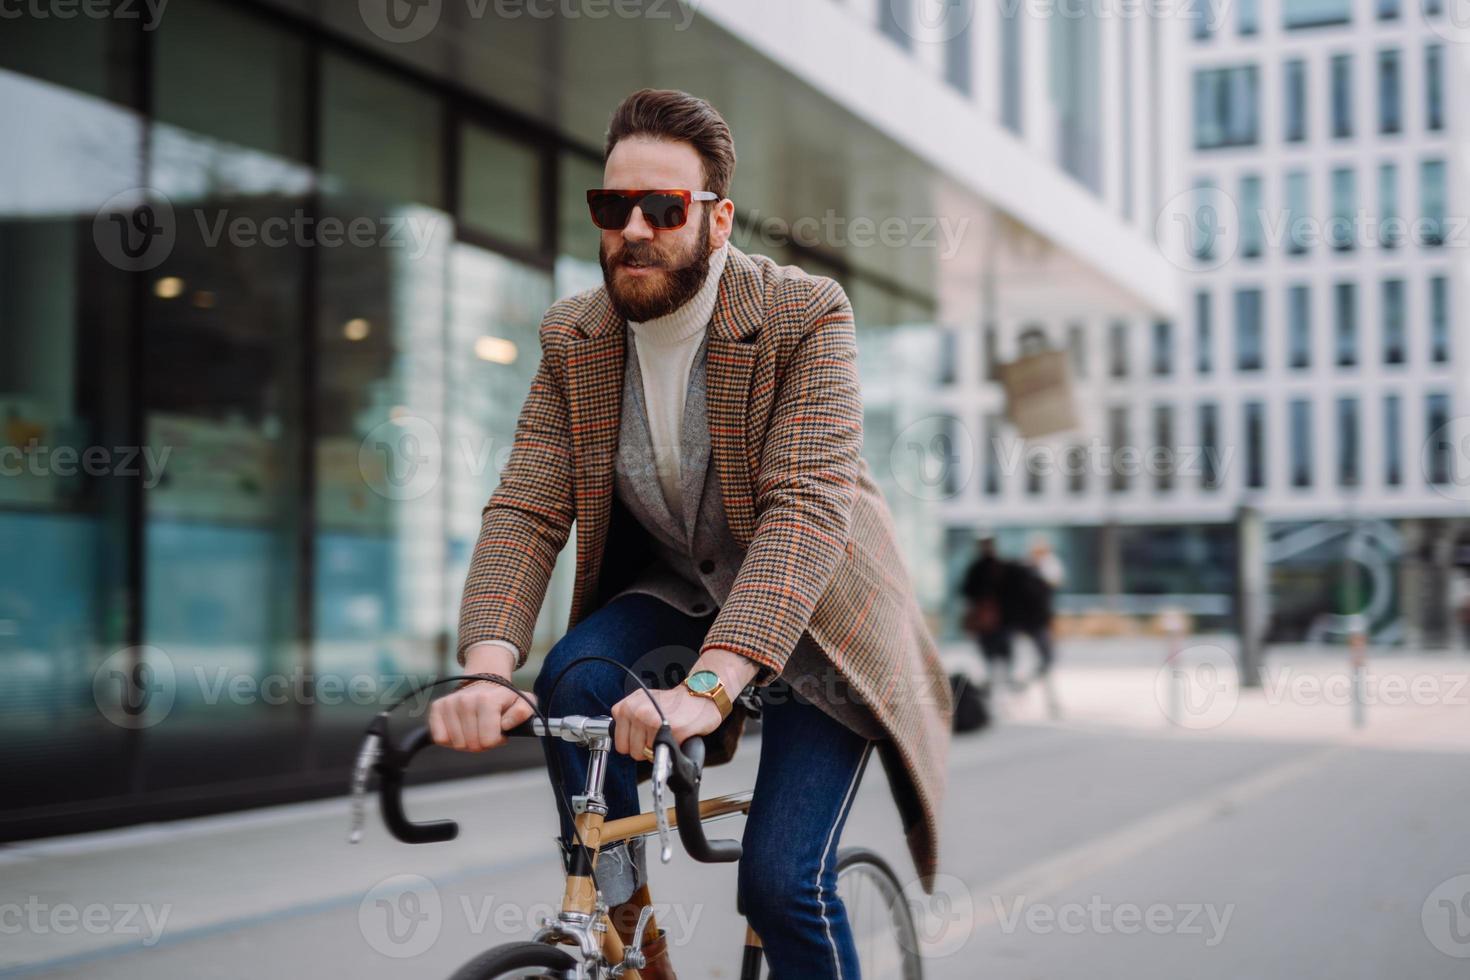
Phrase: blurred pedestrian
(985, 588)
(1035, 610)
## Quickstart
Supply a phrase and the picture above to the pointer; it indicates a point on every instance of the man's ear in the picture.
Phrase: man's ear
(723, 224)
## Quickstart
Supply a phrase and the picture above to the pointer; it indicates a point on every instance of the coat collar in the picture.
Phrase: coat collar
(738, 308)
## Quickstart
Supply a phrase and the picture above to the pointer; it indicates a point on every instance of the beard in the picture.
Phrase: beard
(648, 297)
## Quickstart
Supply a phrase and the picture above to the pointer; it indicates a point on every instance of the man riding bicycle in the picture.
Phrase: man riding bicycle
(698, 418)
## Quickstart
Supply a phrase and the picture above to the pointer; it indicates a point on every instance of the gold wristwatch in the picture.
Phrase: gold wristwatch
(707, 684)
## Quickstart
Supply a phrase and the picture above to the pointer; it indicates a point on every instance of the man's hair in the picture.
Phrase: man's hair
(669, 114)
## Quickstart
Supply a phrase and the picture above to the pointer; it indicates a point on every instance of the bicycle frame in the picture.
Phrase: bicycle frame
(583, 919)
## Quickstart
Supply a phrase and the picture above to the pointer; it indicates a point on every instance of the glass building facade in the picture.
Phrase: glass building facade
(268, 310)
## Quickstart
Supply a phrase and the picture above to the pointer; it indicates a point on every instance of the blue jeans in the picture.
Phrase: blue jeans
(810, 767)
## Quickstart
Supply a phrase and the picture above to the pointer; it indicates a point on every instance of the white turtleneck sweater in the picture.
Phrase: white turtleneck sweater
(666, 348)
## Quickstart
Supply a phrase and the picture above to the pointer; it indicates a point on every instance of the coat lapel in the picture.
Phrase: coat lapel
(728, 368)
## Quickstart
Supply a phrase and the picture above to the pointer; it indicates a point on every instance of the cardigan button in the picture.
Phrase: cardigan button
(707, 566)
(699, 608)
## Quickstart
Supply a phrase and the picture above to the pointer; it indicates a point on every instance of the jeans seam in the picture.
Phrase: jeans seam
(827, 855)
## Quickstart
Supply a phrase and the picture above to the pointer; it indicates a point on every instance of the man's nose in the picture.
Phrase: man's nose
(637, 229)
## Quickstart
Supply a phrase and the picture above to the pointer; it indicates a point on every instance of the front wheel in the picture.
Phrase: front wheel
(878, 912)
(520, 961)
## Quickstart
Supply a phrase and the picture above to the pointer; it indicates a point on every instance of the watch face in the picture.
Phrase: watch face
(703, 681)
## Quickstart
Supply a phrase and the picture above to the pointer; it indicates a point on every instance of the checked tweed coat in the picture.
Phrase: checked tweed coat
(785, 432)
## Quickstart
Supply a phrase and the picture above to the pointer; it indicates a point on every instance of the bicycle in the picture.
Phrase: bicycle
(887, 948)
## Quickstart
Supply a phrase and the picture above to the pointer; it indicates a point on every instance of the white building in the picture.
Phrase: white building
(1319, 363)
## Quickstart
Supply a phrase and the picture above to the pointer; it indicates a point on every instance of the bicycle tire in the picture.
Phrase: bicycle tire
(516, 959)
(888, 947)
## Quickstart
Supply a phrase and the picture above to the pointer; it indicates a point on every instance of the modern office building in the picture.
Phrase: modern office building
(1319, 370)
(270, 278)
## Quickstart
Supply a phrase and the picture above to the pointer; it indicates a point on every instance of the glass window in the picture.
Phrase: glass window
(1163, 348)
(1118, 350)
(223, 338)
(1387, 9)
(380, 135)
(991, 426)
(1298, 212)
(1394, 342)
(1209, 445)
(1252, 229)
(1316, 13)
(1119, 476)
(990, 353)
(1248, 17)
(1439, 319)
(1344, 209)
(1345, 321)
(1432, 8)
(895, 20)
(1434, 87)
(957, 60)
(1076, 464)
(1440, 446)
(1299, 326)
(1225, 107)
(1012, 95)
(1295, 81)
(1432, 201)
(1204, 341)
(1301, 442)
(1077, 346)
(1248, 353)
(1201, 25)
(1391, 223)
(1393, 471)
(1207, 222)
(1347, 442)
(70, 472)
(1390, 110)
(1162, 461)
(1342, 96)
(500, 187)
(1255, 444)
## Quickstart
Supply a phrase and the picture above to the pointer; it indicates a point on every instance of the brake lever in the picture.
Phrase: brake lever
(367, 757)
(663, 765)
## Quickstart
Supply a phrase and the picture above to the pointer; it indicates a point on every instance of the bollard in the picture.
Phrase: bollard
(1358, 643)
(1173, 624)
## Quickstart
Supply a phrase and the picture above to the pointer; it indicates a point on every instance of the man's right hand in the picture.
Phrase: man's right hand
(475, 717)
